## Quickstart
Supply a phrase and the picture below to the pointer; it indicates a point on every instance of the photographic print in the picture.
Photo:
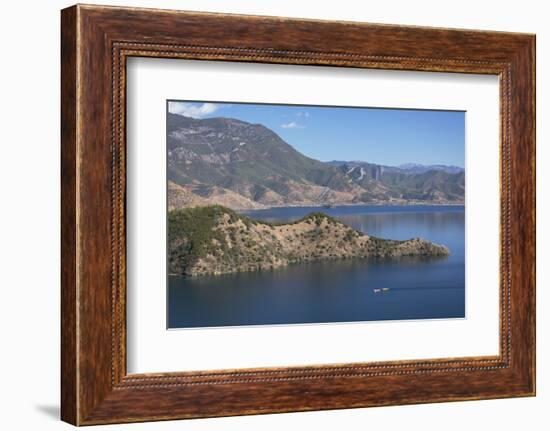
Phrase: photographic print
(300, 214)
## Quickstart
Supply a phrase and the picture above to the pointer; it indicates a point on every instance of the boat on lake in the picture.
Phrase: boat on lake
(381, 290)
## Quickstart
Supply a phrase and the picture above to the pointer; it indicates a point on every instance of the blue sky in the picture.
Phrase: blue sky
(383, 136)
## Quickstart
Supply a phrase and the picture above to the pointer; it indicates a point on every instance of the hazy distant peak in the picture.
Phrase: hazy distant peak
(420, 168)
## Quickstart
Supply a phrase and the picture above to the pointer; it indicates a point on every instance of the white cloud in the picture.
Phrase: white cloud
(302, 114)
(292, 125)
(195, 110)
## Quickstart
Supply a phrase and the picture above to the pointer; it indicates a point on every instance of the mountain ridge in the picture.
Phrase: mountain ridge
(249, 166)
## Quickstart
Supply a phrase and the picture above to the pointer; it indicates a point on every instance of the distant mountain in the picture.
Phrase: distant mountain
(416, 168)
(405, 168)
(216, 155)
(247, 166)
(433, 183)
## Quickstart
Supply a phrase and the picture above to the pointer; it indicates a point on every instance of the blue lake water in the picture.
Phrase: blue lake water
(341, 290)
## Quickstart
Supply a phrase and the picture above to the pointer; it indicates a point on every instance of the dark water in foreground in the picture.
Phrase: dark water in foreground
(337, 291)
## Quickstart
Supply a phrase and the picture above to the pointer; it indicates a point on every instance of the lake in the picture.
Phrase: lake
(341, 290)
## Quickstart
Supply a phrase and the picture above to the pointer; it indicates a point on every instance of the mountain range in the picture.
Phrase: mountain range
(242, 165)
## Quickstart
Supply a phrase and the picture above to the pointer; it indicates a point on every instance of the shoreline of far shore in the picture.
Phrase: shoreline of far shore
(374, 204)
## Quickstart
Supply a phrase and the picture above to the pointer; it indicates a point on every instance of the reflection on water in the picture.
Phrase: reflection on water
(337, 291)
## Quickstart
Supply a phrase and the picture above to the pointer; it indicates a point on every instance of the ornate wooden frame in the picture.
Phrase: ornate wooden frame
(95, 42)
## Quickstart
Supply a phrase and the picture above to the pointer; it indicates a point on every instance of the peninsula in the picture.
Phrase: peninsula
(213, 240)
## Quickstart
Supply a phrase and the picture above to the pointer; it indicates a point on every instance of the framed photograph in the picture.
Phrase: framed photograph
(263, 214)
